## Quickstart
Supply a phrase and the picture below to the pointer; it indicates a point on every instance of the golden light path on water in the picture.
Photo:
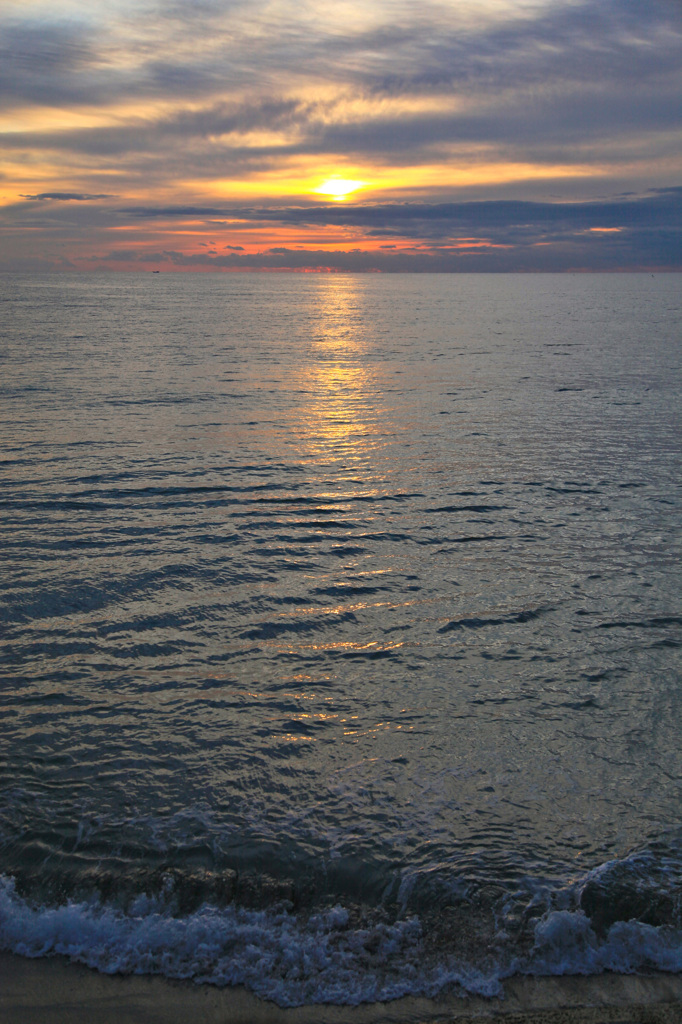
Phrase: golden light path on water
(342, 431)
(339, 419)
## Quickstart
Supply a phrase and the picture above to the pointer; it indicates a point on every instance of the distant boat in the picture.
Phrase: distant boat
(156, 271)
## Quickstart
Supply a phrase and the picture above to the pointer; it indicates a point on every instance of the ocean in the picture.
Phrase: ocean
(341, 628)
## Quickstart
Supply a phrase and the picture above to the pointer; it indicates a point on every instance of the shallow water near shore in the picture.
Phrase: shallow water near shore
(341, 629)
(51, 991)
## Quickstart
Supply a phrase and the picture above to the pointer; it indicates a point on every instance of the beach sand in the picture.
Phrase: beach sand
(54, 991)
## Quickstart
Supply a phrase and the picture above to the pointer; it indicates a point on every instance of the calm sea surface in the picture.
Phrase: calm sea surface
(341, 627)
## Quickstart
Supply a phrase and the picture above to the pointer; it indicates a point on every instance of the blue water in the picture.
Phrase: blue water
(341, 628)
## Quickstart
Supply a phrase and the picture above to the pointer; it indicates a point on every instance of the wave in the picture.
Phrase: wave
(325, 957)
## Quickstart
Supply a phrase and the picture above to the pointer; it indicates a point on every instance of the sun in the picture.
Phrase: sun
(338, 189)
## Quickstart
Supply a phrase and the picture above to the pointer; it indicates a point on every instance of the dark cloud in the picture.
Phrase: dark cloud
(663, 208)
(547, 131)
(552, 125)
(140, 136)
(627, 234)
(604, 43)
(578, 255)
(39, 49)
(563, 83)
(157, 212)
(189, 11)
(51, 63)
(81, 197)
(214, 90)
(624, 45)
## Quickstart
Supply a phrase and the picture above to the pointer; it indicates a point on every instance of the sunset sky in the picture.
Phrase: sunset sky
(377, 135)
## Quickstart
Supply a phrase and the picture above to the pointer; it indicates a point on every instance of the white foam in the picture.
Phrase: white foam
(565, 943)
(322, 959)
(272, 953)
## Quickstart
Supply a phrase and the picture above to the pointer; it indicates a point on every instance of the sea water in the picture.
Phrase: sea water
(341, 628)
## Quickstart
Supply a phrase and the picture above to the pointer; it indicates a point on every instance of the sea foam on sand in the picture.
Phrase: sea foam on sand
(53, 991)
(321, 960)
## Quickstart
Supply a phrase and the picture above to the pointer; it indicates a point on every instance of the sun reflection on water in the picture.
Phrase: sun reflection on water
(341, 416)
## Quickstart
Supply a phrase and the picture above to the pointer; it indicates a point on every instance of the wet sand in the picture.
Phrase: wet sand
(53, 991)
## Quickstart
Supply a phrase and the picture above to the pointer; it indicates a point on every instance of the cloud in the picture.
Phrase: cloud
(624, 232)
(49, 63)
(627, 234)
(208, 50)
(189, 100)
(663, 208)
(81, 197)
(596, 41)
(144, 135)
(579, 255)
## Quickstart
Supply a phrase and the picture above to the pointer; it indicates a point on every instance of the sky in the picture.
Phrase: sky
(353, 135)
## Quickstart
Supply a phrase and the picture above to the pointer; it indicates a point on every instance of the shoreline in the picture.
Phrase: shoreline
(51, 990)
